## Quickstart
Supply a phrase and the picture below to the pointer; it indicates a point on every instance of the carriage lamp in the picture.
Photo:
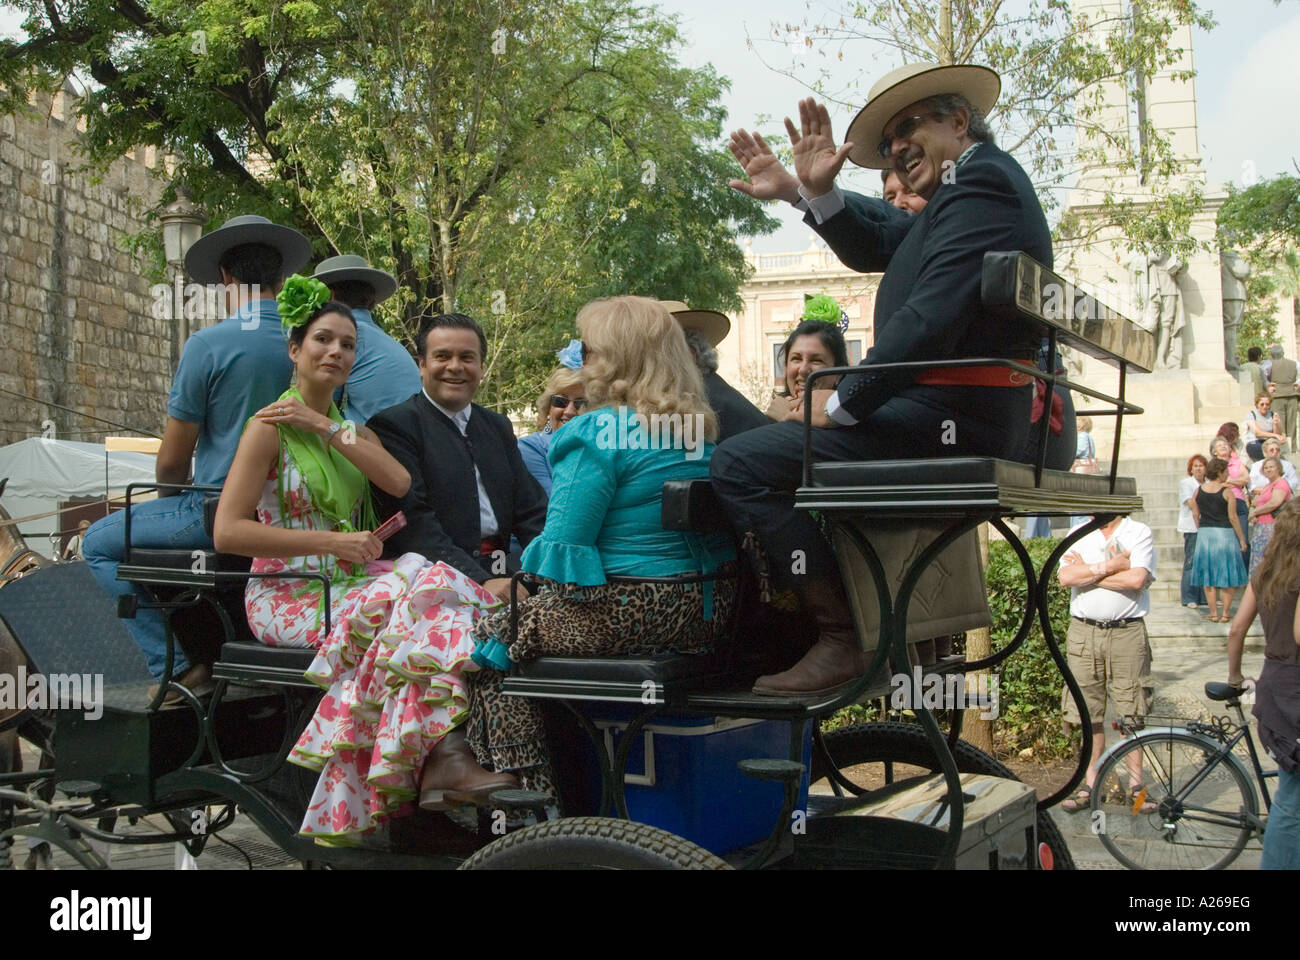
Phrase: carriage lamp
(182, 221)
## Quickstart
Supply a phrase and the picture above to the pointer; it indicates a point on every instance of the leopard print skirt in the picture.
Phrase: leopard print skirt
(616, 619)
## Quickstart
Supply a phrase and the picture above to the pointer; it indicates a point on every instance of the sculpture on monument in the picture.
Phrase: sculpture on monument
(1160, 305)
(1233, 274)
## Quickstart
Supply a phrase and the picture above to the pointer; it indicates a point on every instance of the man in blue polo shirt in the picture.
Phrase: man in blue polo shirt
(226, 373)
(384, 373)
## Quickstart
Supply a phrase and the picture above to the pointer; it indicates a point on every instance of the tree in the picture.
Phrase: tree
(1057, 68)
(1263, 222)
(511, 160)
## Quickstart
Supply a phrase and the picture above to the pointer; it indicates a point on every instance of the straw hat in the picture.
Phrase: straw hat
(906, 85)
(715, 326)
(351, 267)
(202, 262)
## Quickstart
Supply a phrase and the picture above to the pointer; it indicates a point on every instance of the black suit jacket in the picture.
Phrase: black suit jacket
(442, 505)
(735, 413)
(928, 305)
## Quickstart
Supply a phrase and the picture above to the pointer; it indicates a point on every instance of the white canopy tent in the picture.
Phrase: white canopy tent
(42, 472)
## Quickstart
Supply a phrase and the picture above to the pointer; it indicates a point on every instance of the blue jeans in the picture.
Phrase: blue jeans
(1243, 513)
(1282, 835)
(165, 523)
(1190, 594)
(1038, 527)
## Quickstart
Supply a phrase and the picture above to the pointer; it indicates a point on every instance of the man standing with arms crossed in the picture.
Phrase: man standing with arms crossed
(1109, 573)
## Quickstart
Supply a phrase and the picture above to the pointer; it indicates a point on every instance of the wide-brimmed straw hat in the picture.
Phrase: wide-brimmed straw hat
(202, 262)
(715, 326)
(908, 84)
(351, 267)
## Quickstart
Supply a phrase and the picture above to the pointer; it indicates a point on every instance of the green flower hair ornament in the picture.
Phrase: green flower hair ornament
(299, 298)
(824, 308)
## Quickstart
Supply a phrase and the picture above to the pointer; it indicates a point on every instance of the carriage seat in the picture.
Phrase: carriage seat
(256, 663)
(192, 560)
(650, 679)
(956, 486)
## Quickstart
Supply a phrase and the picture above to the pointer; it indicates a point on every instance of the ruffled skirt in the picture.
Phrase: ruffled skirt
(392, 670)
(1217, 561)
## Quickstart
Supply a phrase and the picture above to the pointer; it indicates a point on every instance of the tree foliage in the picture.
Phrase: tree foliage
(508, 159)
(1263, 222)
(1058, 68)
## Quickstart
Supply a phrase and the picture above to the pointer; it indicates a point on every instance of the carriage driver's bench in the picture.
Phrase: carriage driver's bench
(903, 531)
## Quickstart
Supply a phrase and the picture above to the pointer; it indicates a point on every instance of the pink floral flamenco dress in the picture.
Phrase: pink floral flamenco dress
(391, 665)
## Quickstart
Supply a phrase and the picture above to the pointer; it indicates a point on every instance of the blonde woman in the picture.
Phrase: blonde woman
(563, 398)
(648, 422)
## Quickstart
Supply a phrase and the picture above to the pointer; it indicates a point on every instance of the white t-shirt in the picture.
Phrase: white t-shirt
(1186, 490)
(1257, 479)
(1102, 603)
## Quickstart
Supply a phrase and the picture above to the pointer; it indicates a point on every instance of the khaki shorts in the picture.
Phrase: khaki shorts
(1113, 661)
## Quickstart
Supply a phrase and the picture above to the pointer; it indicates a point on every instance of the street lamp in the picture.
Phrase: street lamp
(182, 222)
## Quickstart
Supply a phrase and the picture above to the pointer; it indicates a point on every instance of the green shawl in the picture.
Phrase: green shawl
(336, 485)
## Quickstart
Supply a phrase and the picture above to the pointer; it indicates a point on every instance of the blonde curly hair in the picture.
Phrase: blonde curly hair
(560, 379)
(637, 357)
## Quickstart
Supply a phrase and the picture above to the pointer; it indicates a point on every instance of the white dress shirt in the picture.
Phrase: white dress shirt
(487, 519)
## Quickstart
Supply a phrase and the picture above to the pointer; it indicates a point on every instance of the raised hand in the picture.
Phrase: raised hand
(768, 177)
(294, 413)
(816, 161)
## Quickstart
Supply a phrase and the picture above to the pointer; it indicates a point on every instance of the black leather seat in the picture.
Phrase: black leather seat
(186, 560)
(657, 678)
(258, 663)
(955, 486)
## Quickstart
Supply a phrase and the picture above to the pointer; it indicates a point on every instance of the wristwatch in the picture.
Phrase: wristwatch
(330, 433)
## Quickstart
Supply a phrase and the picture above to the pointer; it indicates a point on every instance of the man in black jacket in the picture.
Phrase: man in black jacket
(927, 123)
(470, 491)
(704, 330)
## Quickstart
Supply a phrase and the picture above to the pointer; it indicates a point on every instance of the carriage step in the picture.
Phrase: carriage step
(80, 788)
(515, 800)
(766, 768)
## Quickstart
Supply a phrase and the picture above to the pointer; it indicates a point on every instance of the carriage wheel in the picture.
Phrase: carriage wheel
(906, 743)
(593, 843)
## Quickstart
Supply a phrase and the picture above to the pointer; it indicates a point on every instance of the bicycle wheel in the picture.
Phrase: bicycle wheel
(1201, 826)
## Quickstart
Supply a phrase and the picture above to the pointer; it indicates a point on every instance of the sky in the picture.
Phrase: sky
(1247, 82)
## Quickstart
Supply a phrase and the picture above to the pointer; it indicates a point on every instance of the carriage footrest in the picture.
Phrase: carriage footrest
(515, 800)
(766, 768)
(125, 748)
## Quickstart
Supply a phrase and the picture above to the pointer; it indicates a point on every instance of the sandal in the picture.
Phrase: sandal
(1138, 802)
(1081, 800)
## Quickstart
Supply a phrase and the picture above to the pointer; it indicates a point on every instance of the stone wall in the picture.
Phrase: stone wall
(74, 307)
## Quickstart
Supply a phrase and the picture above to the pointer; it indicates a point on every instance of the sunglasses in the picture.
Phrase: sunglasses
(559, 401)
(904, 130)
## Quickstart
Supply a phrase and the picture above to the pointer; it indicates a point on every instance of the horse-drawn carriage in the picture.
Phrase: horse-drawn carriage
(902, 532)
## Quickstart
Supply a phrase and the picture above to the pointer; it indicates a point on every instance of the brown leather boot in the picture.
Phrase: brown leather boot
(452, 776)
(834, 660)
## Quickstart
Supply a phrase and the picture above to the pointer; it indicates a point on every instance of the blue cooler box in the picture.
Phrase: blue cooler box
(683, 777)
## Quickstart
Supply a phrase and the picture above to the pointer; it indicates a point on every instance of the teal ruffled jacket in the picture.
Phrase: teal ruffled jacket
(604, 512)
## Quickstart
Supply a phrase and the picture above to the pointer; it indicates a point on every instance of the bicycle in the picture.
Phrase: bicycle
(1179, 797)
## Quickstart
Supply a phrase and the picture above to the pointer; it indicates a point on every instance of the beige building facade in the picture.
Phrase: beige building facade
(773, 305)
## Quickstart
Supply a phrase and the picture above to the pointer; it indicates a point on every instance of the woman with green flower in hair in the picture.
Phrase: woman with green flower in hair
(817, 342)
(400, 634)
